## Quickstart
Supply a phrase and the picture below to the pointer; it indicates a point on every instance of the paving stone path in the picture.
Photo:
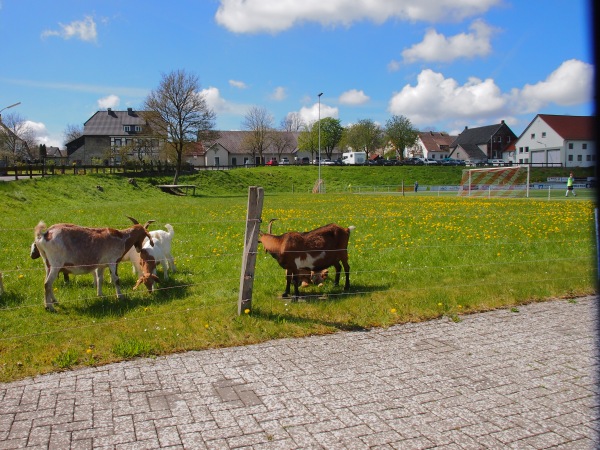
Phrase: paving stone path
(523, 379)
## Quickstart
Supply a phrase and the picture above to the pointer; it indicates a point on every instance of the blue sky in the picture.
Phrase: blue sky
(444, 64)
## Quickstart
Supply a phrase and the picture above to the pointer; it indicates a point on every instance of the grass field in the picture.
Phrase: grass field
(412, 258)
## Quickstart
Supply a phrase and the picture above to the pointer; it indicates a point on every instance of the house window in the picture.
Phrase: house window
(532, 135)
(520, 149)
(138, 128)
(570, 146)
(117, 142)
(584, 146)
(126, 128)
(588, 157)
(217, 160)
(233, 161)
(526, 149)
(543, 134)
(570, 158)
(579, 158)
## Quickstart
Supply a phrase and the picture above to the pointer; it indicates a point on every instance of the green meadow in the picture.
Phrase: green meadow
(412, 258)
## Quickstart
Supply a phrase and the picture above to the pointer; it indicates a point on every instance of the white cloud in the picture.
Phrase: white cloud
(273, 16)
(570, 84)
(219, 105)
(311, 114)
(110, 101)
(238, 84)
(393, 66)
(41, 134)
(278, 93)
(82, 29)
(354, 97)
(436, 98)
(437, 47)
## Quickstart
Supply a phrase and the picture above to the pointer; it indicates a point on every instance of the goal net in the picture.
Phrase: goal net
(510, 181)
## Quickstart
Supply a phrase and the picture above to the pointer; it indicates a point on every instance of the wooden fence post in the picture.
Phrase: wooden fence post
(255, 204)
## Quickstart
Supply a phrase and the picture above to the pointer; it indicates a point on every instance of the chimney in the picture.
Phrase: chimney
(108, 110)
(130, 111)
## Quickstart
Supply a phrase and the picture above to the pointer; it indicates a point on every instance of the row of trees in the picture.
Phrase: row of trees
(365, 135)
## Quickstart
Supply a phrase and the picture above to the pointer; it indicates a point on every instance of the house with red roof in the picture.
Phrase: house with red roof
(561, 141)
(431, 144)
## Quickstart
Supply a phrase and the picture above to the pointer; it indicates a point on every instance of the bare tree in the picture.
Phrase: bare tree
(260, 124)
(72, 132)
(293, 122)
(177, 111)
(17, 139)
(281, 142)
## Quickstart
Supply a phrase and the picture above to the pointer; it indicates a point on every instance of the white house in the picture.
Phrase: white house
(566, 141)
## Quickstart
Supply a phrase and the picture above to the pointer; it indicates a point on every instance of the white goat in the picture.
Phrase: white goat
(161, 252)
(76, 250)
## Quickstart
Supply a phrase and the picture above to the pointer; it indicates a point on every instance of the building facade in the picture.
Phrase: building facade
(553, 140)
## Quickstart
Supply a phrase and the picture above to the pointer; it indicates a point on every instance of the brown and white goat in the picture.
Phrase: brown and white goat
(314, 250)
(76, 250)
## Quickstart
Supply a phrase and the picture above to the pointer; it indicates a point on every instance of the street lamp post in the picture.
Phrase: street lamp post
(7, 107)
(320, 142)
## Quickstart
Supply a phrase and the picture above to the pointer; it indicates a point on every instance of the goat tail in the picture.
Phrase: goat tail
(350, 228)
(170, 229)
(39, 230)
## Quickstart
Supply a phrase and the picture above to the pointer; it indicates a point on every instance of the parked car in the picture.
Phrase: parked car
(272, 162)
(452, 162)
(338, 162)
(285, 161)
(475, 162)
(305, 160)
(430, 162)
(497, 162)
(327, 162)
(413, 162)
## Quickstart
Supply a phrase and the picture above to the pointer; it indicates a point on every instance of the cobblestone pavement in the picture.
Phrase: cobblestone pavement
(521, 379)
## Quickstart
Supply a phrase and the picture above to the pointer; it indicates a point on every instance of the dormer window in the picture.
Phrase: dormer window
(138, 128)
(127, 128)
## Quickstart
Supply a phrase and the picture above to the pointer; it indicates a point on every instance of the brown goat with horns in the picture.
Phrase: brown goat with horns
(314, 250)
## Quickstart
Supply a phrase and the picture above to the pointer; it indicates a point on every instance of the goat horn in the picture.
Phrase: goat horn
(148, 223)
(270, 225)
(135, 222)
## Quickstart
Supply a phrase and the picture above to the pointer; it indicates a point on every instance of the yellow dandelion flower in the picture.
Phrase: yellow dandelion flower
(246, 311)
(393, 310)
(21, 276)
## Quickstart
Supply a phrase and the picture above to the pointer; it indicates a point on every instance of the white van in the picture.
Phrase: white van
(354, 158)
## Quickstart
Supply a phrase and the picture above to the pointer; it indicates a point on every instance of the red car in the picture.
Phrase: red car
(272, 162)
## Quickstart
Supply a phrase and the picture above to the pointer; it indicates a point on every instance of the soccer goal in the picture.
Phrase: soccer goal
(512, 181)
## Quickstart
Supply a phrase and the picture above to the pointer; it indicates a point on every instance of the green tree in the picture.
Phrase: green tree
(400, 133)
(331, 134)
(307, 140)
(365, 135)
(178, 111)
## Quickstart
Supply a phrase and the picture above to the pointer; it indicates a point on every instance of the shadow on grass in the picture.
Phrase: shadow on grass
(110, 306)
(316, 297)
